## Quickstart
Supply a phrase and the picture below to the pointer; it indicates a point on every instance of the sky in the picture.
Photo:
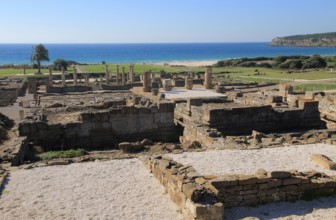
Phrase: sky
(161, 21)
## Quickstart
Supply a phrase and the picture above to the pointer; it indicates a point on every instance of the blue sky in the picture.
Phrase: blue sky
(153, 21)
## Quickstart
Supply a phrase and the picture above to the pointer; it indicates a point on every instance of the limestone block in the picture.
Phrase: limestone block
(323, 161)
(279, 174)
(291, 181)
(128, 147)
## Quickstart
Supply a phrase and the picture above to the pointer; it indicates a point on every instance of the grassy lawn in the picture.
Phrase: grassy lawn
(61, 154)
(236, 73)
(315, 87)
(14, 72)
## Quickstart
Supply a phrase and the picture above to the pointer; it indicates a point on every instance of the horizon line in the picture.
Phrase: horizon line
(144, 42)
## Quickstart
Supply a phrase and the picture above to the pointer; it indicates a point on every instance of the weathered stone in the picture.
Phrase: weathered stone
(200, 180)
(323, 161)
(279, 174)
(245, 180)
(58, 162)
(291, 181)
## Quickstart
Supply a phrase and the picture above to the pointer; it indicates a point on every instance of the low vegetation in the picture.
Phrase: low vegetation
(280, 62)
(61, 154)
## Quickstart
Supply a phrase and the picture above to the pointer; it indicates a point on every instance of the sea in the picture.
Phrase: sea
(152, 52)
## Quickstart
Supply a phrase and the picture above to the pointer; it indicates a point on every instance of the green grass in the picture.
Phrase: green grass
(15, 72)
(61, 154)
(315, 87)
(235, 73)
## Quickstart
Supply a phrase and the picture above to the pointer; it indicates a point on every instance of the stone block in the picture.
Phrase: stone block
(323, 161)
(246, 192)
(289, 188)
(279, 174)
(224, 181)
(291, 181)
(246, 180)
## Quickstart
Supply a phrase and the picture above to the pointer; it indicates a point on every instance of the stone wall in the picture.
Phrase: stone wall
(20, 152)
(266, 187)
(103, 128)
(206, 196)
(67, 89)
(192, 192)
(243, 120)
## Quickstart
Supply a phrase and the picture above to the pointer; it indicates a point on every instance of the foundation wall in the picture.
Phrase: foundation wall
(66, 89)
(263, 118)
(189, 190)
(207, 196)
(105, 128)
(263, 188)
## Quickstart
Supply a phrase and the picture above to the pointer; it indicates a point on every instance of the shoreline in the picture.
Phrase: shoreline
(191, 63)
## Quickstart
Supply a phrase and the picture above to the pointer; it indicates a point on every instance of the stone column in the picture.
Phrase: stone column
(132, 74)
(100, 80)
(50, 76)
(117, 76)
(123, 82)
(63, 76)
(107, 74)
(208, 78)
(188, 83)
(86, 77)
(146, 82)
(74, 76)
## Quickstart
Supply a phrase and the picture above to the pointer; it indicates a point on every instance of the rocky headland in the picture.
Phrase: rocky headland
(308, 40)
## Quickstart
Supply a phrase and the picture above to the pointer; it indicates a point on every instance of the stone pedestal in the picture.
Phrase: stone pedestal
(188, 84)
(167, 84)
(208, 79)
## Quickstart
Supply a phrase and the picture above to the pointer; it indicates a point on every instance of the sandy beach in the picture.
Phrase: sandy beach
(189, 63)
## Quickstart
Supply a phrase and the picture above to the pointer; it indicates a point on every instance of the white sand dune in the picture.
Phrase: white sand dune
(118, 189)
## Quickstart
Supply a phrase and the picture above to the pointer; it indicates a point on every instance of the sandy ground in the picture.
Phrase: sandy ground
(117, 189)
(321, 209)
(249, 161)
(12, 111)
(189, 63)
(195, 93)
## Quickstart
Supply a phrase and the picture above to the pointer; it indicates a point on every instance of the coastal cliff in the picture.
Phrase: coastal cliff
(308, 40)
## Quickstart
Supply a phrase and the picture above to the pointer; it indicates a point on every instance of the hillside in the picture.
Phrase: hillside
(308, 40)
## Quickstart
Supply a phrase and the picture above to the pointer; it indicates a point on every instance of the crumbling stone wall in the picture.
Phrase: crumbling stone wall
(243, 120)
(191, 191)
(266, 187)
(104, 128)
(207, 196)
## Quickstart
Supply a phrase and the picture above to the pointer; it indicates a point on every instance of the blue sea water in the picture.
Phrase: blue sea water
(151, 53)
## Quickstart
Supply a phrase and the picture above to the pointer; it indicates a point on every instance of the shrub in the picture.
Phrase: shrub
(61, 154)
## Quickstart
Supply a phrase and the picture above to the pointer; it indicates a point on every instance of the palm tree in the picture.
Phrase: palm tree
(40, 53)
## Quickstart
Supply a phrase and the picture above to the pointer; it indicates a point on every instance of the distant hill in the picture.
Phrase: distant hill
(307, 40)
